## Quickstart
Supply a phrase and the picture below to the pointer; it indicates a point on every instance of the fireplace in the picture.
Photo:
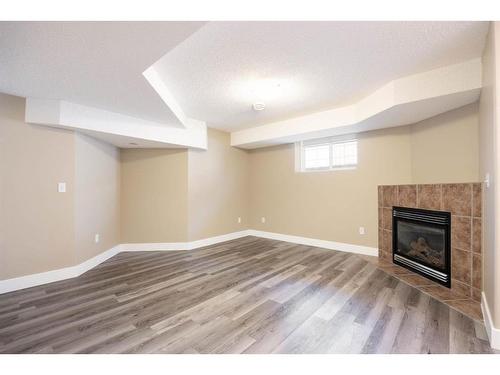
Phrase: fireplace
(421, 242)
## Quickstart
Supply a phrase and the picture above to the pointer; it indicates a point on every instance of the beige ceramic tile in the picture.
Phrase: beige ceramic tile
(461, 232)
(457, 199)
(429, 197)
(407, 195)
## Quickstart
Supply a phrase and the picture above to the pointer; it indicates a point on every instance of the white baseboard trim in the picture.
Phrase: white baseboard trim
(154, 246)
(28, 281)
(491, 330)
(332, 245)
(169, 246)
(214, 240)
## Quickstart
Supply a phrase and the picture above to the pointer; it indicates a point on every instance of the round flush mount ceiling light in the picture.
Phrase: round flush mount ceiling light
(258, 106)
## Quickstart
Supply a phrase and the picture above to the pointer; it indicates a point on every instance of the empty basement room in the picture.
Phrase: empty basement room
(249, 187)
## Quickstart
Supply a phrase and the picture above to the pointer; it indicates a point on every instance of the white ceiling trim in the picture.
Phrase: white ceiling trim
(162, 90)
(403, 101)
(299, 68)
(97, 64)
(115, 128)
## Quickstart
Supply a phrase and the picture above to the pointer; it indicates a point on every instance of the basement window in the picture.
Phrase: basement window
(333, 153)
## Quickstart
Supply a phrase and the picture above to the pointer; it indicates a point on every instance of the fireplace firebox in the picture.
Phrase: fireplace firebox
(421, 242)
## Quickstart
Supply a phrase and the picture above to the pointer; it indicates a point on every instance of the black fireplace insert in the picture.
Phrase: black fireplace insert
(421, 242)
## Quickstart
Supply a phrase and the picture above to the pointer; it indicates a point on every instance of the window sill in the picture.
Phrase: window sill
(347, 168)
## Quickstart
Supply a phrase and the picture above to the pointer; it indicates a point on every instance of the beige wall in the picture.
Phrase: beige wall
(327, 205)
(181, 195)
(489, 155)
(36, 222)
(333, 205)
(41, 229)
(154, 195)
(218, 188)
(97, 196)
(444, 148)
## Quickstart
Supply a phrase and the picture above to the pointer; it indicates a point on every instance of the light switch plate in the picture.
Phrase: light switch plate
(61, 187)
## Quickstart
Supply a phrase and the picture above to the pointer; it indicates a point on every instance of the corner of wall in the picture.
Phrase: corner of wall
(217, 188)
(489, 166)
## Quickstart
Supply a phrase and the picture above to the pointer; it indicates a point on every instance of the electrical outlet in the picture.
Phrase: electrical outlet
(61, 187)
(362, 230)
(239, 220)
(96, 238)
(262, 219)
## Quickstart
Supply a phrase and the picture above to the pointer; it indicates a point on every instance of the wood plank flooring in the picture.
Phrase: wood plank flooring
(249, 295)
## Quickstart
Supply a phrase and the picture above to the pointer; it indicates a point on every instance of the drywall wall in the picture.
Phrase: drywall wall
(218, 188)
(36, 222)
(154, 195)
(332, 205)
(42, 229)
(184, 195)
(489, 155)
(444, 148)
(180, 195)
(327, 205)
(97, 196)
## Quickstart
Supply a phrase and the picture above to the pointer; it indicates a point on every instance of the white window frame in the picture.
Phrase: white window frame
(300, 152)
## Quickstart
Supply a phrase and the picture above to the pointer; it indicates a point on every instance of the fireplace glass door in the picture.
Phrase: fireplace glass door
(421, 242)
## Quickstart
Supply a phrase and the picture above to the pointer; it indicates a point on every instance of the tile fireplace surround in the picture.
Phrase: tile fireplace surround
(464, 203)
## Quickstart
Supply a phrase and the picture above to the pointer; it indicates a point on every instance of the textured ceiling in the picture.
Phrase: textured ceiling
(98, 64)
(217, 72)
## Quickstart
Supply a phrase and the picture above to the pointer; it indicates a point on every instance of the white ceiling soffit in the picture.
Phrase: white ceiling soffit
(96, 64)
(97, 77)
(120, 130)
(93, 75)
(297, 68)
(403, 101)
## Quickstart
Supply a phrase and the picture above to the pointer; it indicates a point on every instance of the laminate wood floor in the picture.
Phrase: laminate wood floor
(249, 295)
